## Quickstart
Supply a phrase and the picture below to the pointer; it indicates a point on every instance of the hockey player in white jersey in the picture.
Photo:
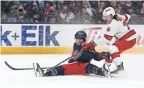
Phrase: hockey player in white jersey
(117, 28)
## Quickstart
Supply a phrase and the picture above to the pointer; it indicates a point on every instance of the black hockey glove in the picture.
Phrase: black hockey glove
(105, 55)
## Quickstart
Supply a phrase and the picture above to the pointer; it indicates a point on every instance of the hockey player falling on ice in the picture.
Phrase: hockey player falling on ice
(80, 65)
(117, 28)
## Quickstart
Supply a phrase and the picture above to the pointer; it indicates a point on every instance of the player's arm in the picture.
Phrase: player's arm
(76, 52)
(126, 17)
(107, 37)
(111, 30)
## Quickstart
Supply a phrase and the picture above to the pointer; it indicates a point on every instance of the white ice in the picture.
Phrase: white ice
(132, 77)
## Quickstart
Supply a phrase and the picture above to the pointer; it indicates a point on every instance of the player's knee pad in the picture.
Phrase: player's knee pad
(90, 68)
(54, 72)
(112, 49)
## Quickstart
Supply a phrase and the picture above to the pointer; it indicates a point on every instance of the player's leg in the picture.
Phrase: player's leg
(59, 70)
(66, 69)
(116, 49)
(83, 69)
(124, 45)
(115, 57)
(92, 69)
(72, 69)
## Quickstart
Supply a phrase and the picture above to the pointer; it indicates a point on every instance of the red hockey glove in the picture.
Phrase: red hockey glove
(89, 46)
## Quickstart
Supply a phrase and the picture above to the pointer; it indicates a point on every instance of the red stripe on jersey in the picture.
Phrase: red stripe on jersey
(126, 17)
(109, 61)
(108, 37)
(114, 55)
(127, 35)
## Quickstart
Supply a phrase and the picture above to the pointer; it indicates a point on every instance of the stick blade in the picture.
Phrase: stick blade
(12, 68)
(16, 69)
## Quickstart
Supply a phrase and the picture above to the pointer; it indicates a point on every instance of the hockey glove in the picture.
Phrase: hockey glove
(89, 46)
(74, 56)
(105, 55)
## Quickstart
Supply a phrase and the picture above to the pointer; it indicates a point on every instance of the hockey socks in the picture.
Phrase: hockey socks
(54, 72)
(92, 69)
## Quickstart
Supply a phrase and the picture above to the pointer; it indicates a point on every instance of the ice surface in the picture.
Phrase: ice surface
(132, 77)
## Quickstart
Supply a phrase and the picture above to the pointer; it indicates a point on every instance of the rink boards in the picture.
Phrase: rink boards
(54, 39)
(54, 50)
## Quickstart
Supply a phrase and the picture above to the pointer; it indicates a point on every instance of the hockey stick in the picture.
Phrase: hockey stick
(76, 55)
(13, 68)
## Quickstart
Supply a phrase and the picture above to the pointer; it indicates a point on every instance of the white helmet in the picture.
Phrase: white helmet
(108, 11)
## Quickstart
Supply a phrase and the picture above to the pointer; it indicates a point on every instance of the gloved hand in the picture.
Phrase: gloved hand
(74, 56)
(89, 46)
(105, 55)
(71, 60)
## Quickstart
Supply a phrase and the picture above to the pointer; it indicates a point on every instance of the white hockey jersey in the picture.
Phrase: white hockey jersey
(117, 29)
(126, 18)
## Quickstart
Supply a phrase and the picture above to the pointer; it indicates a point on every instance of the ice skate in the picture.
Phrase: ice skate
(119, 68)
(38, 70)
(104, 71)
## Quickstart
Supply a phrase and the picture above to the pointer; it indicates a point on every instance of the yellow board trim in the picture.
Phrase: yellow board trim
(54, 50)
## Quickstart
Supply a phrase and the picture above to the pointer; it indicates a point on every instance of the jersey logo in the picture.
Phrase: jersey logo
(108, 29)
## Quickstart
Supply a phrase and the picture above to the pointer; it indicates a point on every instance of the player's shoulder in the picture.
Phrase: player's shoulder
(113, 23)
(76, 47)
